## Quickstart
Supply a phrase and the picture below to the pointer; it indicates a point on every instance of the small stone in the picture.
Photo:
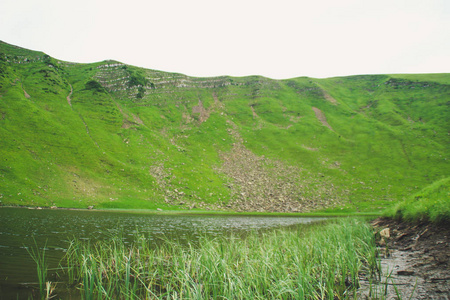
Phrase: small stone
(385, 233)
(405, 272)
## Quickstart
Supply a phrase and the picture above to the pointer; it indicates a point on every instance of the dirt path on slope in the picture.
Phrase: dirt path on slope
(70, 94)
(415, 260)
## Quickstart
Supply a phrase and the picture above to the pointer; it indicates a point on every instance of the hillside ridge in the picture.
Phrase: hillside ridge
(118, 136)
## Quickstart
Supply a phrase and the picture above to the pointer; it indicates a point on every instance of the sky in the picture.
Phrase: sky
(278, 39)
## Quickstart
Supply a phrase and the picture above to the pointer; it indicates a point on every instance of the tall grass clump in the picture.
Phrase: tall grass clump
(321, 261)
(430, 204)
(41, 266)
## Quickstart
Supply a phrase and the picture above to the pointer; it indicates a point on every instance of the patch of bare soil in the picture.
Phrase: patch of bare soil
(200, 109)
(321, 117)
(25, 93)
(414, 261)
(203, 113)
(329, 98)
(255, 115)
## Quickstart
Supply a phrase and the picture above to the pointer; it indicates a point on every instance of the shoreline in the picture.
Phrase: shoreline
(204, 212)
(414, 259)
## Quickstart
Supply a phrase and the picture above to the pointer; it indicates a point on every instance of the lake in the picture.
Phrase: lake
(53, 228)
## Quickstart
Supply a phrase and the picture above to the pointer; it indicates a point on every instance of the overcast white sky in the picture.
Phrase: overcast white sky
(278, 39)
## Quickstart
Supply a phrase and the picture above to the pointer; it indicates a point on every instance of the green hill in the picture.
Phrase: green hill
(430, 204)
(118, 136)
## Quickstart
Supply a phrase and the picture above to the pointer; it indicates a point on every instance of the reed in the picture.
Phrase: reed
(319, 261)
(41, 267)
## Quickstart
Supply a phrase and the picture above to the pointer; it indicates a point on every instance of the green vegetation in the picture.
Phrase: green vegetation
(38, 257)
(321, 261)
(430, 204)
(127, 137)
(94, 86)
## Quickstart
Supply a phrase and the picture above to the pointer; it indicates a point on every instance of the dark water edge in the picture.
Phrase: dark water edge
(52, 230)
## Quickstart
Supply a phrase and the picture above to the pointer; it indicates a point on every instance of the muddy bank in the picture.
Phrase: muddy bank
(414, 261)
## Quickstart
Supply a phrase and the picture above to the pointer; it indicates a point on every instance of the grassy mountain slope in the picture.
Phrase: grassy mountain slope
(114, 135)
(430, 204)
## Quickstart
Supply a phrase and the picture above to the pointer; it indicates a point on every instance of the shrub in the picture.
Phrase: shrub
(94, 86)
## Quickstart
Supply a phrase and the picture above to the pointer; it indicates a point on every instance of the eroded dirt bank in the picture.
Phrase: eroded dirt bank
(414, 260)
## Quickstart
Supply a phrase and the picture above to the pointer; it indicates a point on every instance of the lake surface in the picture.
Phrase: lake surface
(54, 228)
